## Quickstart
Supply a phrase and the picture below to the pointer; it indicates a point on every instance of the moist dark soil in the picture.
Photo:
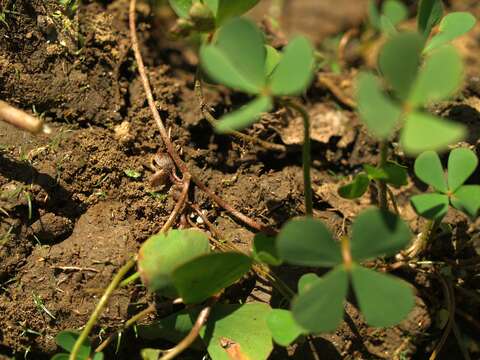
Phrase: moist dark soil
(77, 204)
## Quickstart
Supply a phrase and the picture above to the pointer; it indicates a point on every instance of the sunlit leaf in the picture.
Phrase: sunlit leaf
(462, 163)
(452, 26)
(226, 9)
(237, 57)
(272, 59)
(66, 340)
(161, 254)
(356, 188)
(150, 354)
(206, 275)
(294, 72)
(439, 78)
(308, 242)
(401, 71)
(320, 309)
(238, 332)
(377, 233)
(428, 168)
(181, 7)
(264, 250)
(395, 11)
(424, 132)
(378, 112)
(245, 116)
(467, 199)
(283, 327)
(373, 14)
(431, 206)
(384, 299)
(430, 13)
(387, 26)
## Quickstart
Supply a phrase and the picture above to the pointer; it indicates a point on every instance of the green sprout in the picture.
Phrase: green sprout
(66, 340)
(383, 299)
(450, 189)
(207, 15)
(239, 59)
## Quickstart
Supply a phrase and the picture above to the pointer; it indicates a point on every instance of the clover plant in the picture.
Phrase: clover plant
(383, 299)
(207, 15)
(450, 189)
(239, 59)
(66, 339)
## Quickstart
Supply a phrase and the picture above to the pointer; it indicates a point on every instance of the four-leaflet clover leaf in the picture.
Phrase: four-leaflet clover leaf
(239, 59)
(383, 299)
(414, 87)
(448, 190)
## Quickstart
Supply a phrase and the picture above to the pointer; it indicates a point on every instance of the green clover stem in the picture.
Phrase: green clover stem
(99, 308)
(306, 155)
(382, 185)
(421, 242)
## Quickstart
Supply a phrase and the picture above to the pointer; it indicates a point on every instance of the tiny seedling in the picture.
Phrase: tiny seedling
(66, 340)
(133, 174)
(383, 299)
(391, 173)
(450, 189)
(206, 16)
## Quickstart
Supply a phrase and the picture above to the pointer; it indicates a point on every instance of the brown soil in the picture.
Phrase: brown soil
(75, 216)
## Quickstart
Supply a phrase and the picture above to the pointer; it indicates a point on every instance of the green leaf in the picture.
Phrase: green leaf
(207, 275)
(356, 188)
(245, 116)
(467, 199)
(294, 72)
(181, 7)
(283, 327)
(265, 251)
(373, 14)
(377, 112)
(320, 309)
(452, 26)
(401, 71)
(161, 254)
(392, 173)
(98, 356)
(395, 11)
(61, 356)
(308, 242)
(439, 78)
(383, 299)
(387, 26)
(226, 9)
(428, 168)
(427, 132)
(272, 59)
(238, 330)
(66, 340)
(431, 206)
(237, 58)
(462, 163)
(377, 233)
(306, 282)
(430, 13)
(150, 354)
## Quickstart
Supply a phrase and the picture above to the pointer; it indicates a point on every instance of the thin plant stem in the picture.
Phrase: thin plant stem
(306, 156)
(382, 185)
(99, 308)
(421, 242)
(179, 205)
(134, 319)
(129, 280)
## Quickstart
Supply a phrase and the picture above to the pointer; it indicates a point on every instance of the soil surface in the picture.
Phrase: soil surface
(77, 204)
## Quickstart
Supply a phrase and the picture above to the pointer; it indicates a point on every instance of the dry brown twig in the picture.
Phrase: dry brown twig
(22, 120)
(166, 140)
